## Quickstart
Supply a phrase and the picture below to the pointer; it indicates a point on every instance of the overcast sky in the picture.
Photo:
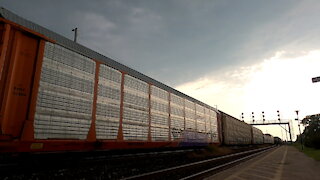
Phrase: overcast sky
(243, 56)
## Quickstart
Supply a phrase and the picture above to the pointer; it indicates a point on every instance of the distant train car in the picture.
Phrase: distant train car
(278, 140)
(235, 132)
(257, 136)
(268, 139)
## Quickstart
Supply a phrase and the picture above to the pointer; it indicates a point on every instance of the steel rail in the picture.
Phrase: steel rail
(144, 175)
(226, 164)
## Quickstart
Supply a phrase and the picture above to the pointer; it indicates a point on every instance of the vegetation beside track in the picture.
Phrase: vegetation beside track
(311, 152)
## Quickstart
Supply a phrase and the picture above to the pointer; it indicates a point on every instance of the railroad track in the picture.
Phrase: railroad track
(103, 165)
(201, 169)
(35, 165)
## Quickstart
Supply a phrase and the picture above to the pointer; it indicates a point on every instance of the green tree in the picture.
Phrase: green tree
(311, 133)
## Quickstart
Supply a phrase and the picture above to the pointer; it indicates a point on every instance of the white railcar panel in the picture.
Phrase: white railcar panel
(200, 119)
(177, 116)
(176, 110)
(159, 93)
(135, 132)
(207, 120)
(177, 126)
(65, 96)
(108, 103)
(257, 136)
(268, 139)
(135, 109)
(159, 114)
(236, 132)
(177, 100)
(159, 134)
(189, 105)
(214, 126)
(190, 113)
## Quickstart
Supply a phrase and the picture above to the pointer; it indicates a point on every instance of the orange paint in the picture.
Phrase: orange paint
(4, 44)
(169, 111)
(149, 110)
(184, 114)
(28, 128)
(92, 130)
(4, 36)
(17, 90)
(210, 124)
(205, 122)
(220, 128)
(120, 131)
(195, 117)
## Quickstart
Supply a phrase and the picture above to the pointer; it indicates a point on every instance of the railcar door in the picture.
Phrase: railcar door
(19, 51)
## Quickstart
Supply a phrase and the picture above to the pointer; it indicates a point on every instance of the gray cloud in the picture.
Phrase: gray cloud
(179, 41)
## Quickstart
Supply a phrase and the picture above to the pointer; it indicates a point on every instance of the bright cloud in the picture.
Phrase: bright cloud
(282, 82)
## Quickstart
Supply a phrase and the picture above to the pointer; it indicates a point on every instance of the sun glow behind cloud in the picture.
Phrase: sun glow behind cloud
(282, 82)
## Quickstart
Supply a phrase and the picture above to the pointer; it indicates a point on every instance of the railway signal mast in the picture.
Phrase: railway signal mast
(297, 119)
(277, 122)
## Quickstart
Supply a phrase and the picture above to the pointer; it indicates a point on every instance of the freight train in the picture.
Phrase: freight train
(57, 95)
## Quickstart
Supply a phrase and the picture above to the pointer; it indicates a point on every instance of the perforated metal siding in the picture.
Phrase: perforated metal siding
(257, 136)
(177, 116)
(214, 126)
(135, 109)
(190, 112)
(108, 103)
(65, 97)
(207, 123)
(235, 131)
(159, 114)
(267, 139)
(200, 118)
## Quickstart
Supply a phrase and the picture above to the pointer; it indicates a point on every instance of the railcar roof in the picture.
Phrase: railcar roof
(67, 43)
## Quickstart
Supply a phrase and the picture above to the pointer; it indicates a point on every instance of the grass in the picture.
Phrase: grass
(311, 152)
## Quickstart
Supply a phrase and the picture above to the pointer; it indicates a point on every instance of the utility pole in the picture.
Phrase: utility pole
(75, 34)
(297, 111)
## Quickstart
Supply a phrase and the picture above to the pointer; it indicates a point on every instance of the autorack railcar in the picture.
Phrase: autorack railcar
(57, 95)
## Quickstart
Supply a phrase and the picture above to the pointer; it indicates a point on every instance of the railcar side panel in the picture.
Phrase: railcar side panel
(18, 60)
(200, 119)
(190, 113)
(214, 126)
(268, 139)
(235, 131)
(207, 123)
(257, 136)
(108, 103)
(4, 47)
(65, 96)
(177, 116)
(135, 109)
(159, 114)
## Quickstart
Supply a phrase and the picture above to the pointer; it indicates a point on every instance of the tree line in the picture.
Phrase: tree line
(311, 134)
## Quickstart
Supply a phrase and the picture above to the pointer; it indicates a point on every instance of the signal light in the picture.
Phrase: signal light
(252, 116)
